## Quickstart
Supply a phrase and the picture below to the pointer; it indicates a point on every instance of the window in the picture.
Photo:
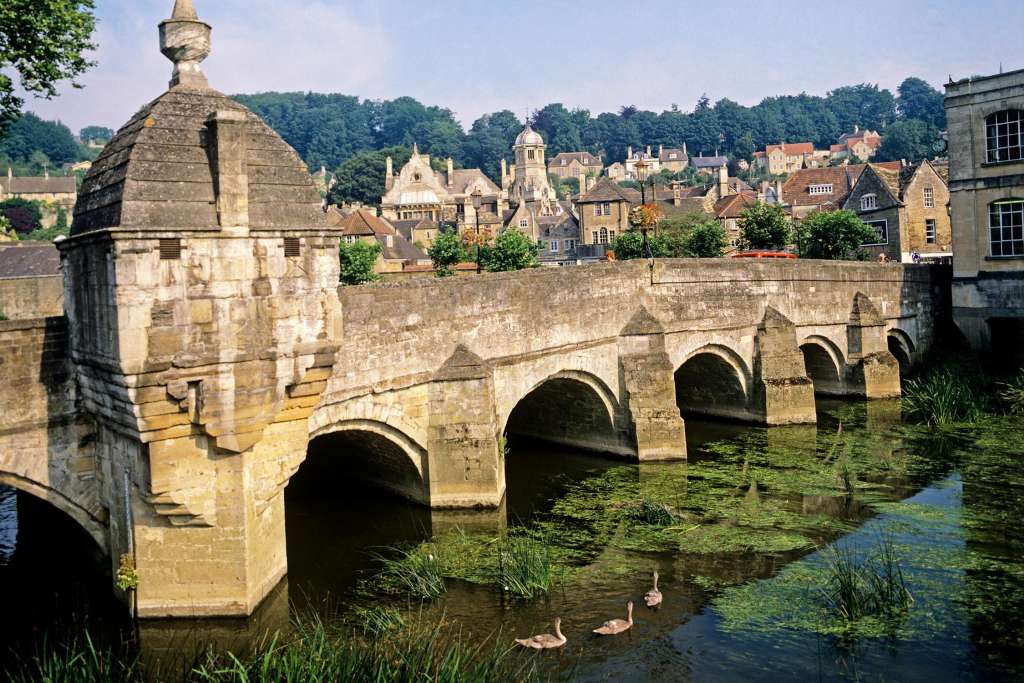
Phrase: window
(673, 155)
(390, 241)
(1006, 223)
(820, 188)
(530, 154)
(563, 162)
(607, 208)
(350, 239)
(611, 235)
(603, 236)
(570, 245)
(595, 240)
(1003, 134)
(929, 230)
(524, 223)
(868, 202)
(929, 198)
(554, 246)
(882, 229)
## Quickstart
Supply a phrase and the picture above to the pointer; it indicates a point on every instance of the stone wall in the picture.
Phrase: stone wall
(25, 298)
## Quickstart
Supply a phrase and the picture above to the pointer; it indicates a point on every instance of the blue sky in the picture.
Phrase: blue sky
(479, 56)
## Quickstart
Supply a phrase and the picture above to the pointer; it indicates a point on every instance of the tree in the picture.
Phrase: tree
(764, 226)
(445, 252)
(90, 133)
(863, 105)
(29, 137)
(918, 100)
(357, 262)
(706, 240)
(910, 139)
(361, 178)
(512, 250)
(45, 42)
(25, 216)
(58, 229)
(834, 235)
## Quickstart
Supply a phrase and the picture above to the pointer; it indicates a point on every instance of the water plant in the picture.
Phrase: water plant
(647, 511)
(1011, 394)
(869, 585)
(523, 566)
(414, 572)
(378, 620)
(943, 397)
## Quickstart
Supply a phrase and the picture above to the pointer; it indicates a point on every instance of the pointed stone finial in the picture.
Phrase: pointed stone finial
(415, 150)
(185, 41)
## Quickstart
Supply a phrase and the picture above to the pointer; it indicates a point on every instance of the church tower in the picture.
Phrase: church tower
(531, 178)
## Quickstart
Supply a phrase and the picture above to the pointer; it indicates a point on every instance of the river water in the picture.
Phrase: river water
(742, 536)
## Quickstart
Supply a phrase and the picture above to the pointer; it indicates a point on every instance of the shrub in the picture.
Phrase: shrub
(357, 262)
(706, 240)
(834, 235)
(24, 215)
(446, 252)
(764, 226)
(512, 250)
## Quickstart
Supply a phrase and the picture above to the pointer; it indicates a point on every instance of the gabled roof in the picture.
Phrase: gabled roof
(792, 148)
(29, 259)
(796, 192)
(708, 162)
(464, 177)
(667, 152)
(606, 190)
(363, 223)
(733, 205)
(38, 184)
(408, 227)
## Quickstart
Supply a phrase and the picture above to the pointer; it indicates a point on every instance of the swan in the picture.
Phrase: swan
(610, 628)
(652, 598)
(545, 641)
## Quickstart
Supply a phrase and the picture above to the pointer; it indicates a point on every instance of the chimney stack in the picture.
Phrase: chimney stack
(661, 150)
(629, 152)
(723, 181)
(228, 144)
(648, 151)
(451, 172)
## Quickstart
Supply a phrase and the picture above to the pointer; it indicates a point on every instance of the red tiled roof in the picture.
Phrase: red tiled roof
(792, 148)
(733, 205)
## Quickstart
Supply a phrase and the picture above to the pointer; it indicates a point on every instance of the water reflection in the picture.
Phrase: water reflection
(8, 523)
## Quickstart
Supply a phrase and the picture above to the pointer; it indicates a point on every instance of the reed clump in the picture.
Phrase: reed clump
(1011, 394)
(948, 395)
(524, 566)
(648, 512)
(865, 586)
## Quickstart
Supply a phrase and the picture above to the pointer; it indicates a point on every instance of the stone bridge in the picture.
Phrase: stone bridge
(205, 350)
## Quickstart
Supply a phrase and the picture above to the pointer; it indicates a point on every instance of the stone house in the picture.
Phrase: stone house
(823, 189)
(787, 158)
(604, 212)
(559, 238)
(861, 144)
(53, 192)
(985, 123)
(653, 163)
(907, 207)
(616, 171)
(708, 165)
(363, 225)
(421, 231)
(575, 164)
(672, 158)
(727, 211)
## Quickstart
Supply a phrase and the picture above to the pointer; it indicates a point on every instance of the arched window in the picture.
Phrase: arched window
(868, 202)
(604, 236)
(1006, 227)
(1003, 135)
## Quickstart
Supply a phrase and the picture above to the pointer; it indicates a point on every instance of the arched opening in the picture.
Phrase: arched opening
(567, 411)
(358, 493)
(821, 367)
(52, 570)
(712, 383)
(902, 349)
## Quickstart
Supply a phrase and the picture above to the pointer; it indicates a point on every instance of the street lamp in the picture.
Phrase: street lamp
(478, 201)
(641, 175)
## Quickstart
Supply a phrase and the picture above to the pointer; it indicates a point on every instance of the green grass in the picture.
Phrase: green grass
(946, 396)
(313, 652)
(1011, 394)
(416, 572)
(865, 586)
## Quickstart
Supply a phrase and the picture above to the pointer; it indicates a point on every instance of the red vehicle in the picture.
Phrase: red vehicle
(765, 254)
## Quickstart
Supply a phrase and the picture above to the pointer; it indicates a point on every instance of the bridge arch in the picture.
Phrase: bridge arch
(390, 458)
(825, 365)
(714, 380)
(93, 526)
(902, 346)
(572, 408)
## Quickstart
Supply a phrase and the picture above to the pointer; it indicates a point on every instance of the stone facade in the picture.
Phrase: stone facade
(986, 182)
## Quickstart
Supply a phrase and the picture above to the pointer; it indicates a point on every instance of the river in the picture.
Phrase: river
(742, 536)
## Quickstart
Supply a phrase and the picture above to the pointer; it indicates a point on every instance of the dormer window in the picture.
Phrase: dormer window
(868, 202)
(820, 189)
(390, 241)
(1003, 136)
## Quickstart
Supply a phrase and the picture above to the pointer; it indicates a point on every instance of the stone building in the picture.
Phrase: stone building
(907, 207)
(861, 144)
(985, 118)
(604, 212)
(616, 171)
(789, 158)
(575, 164)
(727, 212)
(57, 190)
(672, 158)
(363, 225)
(823, 189)
(651, 160)
(708, 165)
(418, 191)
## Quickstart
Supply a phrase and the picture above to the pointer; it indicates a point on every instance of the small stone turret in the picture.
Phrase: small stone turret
(185, 41)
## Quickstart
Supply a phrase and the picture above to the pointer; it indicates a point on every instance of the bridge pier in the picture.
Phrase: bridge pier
(647, 379)
(871, 371)
(783, 392)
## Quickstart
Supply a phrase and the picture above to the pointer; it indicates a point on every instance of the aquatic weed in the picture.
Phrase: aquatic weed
(524, 566)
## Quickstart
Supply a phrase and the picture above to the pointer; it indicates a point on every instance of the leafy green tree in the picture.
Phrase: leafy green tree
(834, 235)
(918, 100)
(357, 262)
(910, 139)
(559, 128)
(361, 178)
(706, 240)
(744, 148)
(44, 42)
(446, 252)
(58, 229)
(90, 133)
(490, 140)
(30, 139)
(864, 105)
(24, 215)
(764, 226)
(512, 250)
